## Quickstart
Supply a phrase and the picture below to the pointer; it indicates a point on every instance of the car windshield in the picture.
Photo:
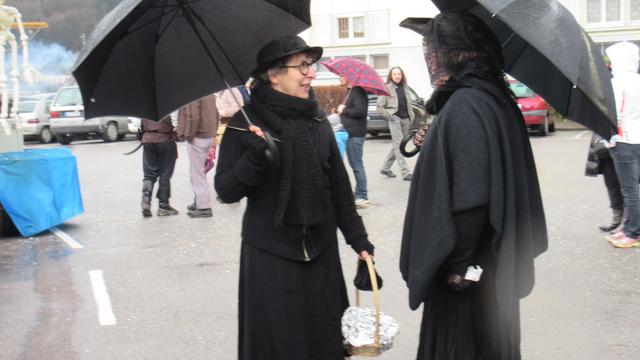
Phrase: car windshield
(68, 97)
(27, 106)
(521, 91)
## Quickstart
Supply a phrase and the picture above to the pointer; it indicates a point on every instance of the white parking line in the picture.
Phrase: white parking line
(66, 238)
(105, 312)
(580, 135)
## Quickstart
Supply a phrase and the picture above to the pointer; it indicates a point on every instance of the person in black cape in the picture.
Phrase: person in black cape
(474, 200)
(292, 292)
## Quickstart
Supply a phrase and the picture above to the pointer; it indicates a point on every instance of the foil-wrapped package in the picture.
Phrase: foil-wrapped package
(359, 326)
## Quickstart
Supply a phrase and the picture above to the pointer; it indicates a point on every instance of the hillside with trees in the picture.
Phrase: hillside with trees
(68, 19)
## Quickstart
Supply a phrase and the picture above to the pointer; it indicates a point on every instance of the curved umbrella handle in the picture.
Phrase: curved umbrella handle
(403, 146)
(272, 153)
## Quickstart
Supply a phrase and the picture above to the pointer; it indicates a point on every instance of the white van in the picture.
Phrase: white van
(68, 122)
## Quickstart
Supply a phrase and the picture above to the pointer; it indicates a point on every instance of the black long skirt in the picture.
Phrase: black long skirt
(464, 325)
(290, 310)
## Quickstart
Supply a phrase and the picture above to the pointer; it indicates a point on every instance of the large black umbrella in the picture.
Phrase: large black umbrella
(546, 49)
(147, 58)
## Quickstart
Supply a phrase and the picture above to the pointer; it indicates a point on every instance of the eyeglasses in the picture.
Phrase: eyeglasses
(303, 67)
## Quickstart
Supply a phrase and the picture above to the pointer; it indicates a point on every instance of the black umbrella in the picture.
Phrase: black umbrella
(546, 49)
(147, 58)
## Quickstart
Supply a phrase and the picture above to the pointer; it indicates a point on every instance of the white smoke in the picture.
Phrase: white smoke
(51, 65)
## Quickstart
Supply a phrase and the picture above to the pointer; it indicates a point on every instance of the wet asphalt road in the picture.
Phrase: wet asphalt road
(172, 282)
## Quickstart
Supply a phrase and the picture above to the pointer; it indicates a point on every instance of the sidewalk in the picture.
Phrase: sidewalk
(566, 124)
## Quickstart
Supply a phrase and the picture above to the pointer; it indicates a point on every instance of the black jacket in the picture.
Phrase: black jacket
(354, 115)
(238, 176)
(447, 180)
(597, 153)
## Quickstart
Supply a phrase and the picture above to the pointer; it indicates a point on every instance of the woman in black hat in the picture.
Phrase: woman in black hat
(474, 201)
(292, 291)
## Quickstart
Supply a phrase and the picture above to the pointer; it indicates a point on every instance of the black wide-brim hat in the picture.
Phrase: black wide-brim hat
(281, 48)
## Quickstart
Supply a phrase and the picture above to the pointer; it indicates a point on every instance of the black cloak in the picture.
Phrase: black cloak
(515, 207)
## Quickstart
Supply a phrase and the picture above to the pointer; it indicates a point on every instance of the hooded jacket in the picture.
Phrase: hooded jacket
(624, 57)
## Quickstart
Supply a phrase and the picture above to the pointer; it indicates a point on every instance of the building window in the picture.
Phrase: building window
(613, 10)
(358, 27)
(635, 9)
(380, 61)
(351, 27)
(343, 28)
(604, 11)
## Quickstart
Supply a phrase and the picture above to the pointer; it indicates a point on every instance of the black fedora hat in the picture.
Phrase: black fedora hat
(283, 47)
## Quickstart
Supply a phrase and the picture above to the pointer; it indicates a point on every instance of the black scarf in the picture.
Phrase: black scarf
(290, 119)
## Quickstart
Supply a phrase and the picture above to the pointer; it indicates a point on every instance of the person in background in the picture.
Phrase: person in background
(599, 161)
(624, 57)
(159, 154)
(292, 290)
(475, 220)
(198, 125)
(397, 110)
(353, 113)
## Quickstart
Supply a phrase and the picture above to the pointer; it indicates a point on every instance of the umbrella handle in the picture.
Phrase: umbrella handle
(403, 146)
(272, 153)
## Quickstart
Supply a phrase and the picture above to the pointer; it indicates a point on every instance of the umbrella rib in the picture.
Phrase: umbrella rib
(165, 12)
(204, 25)
(162, 31)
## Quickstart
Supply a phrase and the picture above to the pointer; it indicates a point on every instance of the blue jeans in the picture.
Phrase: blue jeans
(627, 161)
(355, 146)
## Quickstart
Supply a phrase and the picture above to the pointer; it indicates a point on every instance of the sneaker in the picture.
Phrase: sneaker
(408, 177)
(362, 203)
(625, 242)
(200, 213)
(615, 236)
(167, 211)
(146, 213)
(388, 173)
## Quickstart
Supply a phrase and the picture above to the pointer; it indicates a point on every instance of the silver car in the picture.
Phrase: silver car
(34, 119)
(68, 122)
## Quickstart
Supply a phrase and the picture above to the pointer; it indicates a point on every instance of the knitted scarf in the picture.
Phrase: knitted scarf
(291, 119)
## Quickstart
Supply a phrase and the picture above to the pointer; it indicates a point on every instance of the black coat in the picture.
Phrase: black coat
(238, 176)
(443, 184)
(354, 115)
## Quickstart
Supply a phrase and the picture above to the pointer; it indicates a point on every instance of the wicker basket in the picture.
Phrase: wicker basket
(375, 349)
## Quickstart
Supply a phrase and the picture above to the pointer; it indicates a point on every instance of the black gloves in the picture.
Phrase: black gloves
(256, 147)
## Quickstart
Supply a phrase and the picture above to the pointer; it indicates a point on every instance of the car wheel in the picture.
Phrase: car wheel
(544, 127)
(374, 133)
(65, 139)
(552, 127)
(110, 134)
(46, 136)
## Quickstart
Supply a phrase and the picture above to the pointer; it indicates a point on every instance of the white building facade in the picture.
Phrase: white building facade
(368, 30)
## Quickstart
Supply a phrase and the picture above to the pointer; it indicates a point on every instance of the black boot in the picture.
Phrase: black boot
(165, 209)
(615, 221)
(147, 193)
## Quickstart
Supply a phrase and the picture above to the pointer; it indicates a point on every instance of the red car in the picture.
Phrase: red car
(534, 109)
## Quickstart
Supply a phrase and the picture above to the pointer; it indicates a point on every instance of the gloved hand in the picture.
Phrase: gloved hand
(256, 146)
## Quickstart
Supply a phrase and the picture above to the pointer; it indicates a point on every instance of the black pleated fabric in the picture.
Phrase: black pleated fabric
(462, 325)
(290, 310)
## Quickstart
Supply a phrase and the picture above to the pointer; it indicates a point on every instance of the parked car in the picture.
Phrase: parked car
(534, 109)
(377, 124)
(34, 119)
(68, 122)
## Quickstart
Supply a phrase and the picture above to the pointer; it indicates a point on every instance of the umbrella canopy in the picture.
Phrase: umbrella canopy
(147, 58)
(358, 74)
(546, 49)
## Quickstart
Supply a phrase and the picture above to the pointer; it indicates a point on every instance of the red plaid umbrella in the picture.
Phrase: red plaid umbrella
(358, 74)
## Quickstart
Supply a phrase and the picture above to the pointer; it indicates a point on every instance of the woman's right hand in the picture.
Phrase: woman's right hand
(256, 143)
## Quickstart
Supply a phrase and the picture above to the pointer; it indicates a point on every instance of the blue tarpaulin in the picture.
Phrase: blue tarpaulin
(39, 188)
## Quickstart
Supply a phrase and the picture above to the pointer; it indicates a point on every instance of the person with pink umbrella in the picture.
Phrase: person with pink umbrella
(359, 78)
